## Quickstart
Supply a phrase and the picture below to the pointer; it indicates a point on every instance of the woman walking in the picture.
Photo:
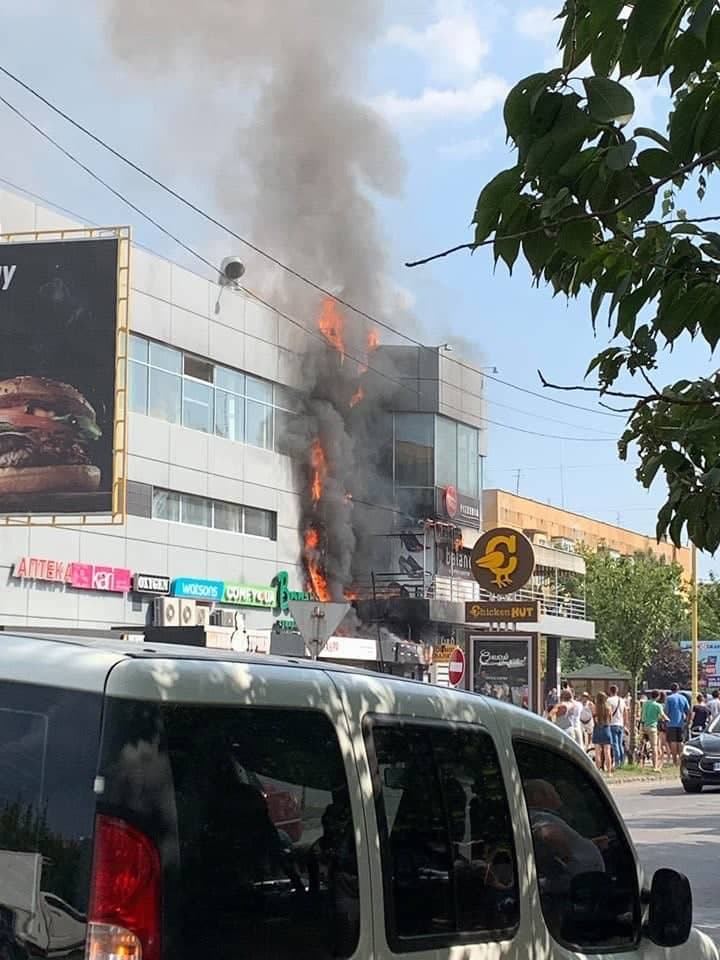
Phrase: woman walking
(663, 745)
(587, 719)
(700, 716)
(601, 736)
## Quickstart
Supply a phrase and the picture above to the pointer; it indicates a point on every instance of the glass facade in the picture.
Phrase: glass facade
(215, 514)
(181, 388)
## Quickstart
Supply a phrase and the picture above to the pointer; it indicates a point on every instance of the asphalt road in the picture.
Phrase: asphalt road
(671, 828)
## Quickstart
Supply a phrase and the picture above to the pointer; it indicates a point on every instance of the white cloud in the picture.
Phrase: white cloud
(433, 104)
(453, 45)
(538, 22)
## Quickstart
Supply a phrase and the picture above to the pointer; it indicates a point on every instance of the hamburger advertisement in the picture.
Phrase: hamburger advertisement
(58, 329)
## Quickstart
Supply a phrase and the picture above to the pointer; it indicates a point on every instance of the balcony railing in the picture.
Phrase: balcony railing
(459, 590)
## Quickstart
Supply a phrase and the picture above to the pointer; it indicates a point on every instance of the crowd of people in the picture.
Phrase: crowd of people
(601, 723)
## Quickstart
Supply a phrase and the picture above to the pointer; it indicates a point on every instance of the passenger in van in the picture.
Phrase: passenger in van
(561, 852)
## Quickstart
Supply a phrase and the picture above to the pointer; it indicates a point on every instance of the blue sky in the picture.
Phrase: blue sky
(438, 72)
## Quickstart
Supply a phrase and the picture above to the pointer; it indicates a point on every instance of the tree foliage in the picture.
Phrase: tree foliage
(669, 664)
(591, 205)
(636, 603)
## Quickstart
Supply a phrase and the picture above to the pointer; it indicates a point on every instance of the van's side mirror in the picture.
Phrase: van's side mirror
(670, 913)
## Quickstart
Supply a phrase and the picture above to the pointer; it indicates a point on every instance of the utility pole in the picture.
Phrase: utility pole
(517, 483)
(694, 624)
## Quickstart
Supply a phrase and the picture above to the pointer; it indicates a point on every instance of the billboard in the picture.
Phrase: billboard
(63, 345)
(502, 668)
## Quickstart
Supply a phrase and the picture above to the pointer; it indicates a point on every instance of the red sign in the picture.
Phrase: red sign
(80, 576)
(456, 667)
(451, 501)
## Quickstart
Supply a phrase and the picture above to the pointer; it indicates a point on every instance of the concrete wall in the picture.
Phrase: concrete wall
(174, 306)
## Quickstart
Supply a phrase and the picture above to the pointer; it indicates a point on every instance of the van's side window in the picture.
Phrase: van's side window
(446, 838)
(585, 868)
(266, 863)
(48, 760)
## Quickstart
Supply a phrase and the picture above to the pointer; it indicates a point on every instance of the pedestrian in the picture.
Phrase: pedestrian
(714, 705)
(551, 701)
(677, 709)
(700, 715)
(587, 719)
(601, 736)
(617, 724)
(663, 747)
(568, 716)
(652, 712)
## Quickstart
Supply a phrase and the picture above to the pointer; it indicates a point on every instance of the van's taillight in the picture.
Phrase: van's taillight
(124, 915)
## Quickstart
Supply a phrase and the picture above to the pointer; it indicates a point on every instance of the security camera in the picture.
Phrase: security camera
(232, 270)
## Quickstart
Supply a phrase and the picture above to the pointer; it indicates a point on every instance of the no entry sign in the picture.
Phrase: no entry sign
(456, 667)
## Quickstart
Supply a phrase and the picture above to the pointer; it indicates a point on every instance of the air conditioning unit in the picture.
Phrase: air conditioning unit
(166, 612)
(224, 618)
(187, 613)
(202, 615)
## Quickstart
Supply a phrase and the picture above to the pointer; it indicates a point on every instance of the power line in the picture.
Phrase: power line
(261, 252)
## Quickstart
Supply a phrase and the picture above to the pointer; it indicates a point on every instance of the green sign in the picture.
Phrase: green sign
(243, 595)
(284, 595)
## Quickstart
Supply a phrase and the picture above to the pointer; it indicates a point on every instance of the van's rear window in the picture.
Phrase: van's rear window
(251, 812)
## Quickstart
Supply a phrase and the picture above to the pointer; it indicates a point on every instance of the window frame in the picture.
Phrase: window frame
(405, 945)
(211, 504)
(567, 755)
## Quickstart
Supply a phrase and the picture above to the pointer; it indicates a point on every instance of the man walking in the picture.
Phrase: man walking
(652, 711)
(714, 705)
(677, 708)
(617, 724)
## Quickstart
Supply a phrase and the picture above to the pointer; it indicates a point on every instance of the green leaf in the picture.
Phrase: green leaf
(683, 122)
(646, 24)
(630, 306)
(487, 211)
(507, 245)
(652, 135)
(687, 55)
(598, 295)
(656, 163)
(537, 247)
(608, 101)
(606, 48)
(517, 108)
(577, 237)
(619, 157)
(712, 41)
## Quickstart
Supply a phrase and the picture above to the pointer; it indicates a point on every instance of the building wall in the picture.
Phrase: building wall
(174, 306)
(506, 509)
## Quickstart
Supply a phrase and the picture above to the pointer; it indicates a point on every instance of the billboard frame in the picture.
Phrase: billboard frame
(118, 513)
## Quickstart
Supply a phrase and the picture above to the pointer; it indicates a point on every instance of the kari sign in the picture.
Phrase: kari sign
(80, 576)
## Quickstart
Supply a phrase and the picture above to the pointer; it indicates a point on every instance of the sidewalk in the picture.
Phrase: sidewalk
(631, 773)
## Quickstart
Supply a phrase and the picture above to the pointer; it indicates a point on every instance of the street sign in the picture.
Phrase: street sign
(502, 560)
(317, 622)
(456, 667)
(501, 611)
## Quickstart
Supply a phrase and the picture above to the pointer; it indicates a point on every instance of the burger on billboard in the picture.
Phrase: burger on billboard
(60, 393)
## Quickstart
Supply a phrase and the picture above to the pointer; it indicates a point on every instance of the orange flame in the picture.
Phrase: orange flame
(332, 325)
(373, 341)
(319, 469)
(357, 397)
(317, 582)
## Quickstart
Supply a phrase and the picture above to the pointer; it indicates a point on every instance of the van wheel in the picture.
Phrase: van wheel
(692, 787)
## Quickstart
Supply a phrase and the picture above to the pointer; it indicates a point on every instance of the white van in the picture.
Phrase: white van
(192, 804)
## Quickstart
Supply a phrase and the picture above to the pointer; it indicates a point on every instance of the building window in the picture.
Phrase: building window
(181, 388)
(213, 514)
(414, 450)
(446, 458)
(467, 460)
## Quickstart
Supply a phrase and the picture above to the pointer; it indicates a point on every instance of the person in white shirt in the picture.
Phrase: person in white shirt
(568, 717)
(714, 705)
(618, 708)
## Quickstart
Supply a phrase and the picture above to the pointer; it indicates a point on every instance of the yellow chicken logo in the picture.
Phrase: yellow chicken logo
(500, 558)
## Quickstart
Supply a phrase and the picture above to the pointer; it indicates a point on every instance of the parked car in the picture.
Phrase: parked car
(153, 784)
(700, 760)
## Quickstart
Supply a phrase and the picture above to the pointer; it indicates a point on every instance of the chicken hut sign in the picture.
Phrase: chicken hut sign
(502, 561)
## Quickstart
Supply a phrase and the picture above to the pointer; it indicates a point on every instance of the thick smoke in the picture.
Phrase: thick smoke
(296, 157)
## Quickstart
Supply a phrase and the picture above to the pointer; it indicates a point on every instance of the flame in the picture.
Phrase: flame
(332, 325)
(317, 581)
(319, 470)
(357, 397)
(373, 341)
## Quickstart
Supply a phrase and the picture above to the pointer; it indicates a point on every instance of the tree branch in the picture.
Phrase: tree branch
(558, 224)
(642, 399)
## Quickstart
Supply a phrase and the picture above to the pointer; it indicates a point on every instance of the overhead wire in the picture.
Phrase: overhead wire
(195, 208)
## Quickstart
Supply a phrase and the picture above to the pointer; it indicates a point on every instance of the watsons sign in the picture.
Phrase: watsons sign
(207, 590)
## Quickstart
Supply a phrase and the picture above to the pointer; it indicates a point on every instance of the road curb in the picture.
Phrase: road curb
(662, 778)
